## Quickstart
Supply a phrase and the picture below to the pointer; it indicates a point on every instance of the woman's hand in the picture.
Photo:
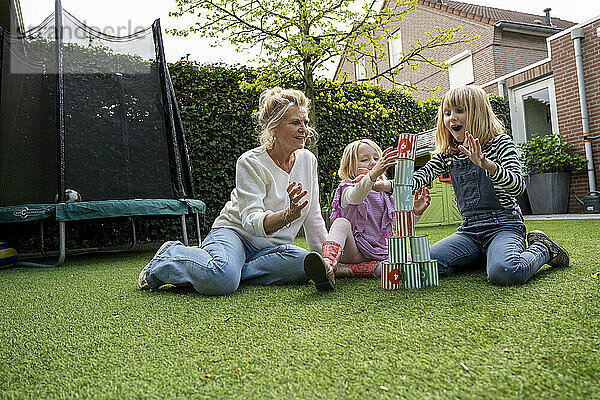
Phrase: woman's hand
(421, 202)
(296, 194)
(476, 155)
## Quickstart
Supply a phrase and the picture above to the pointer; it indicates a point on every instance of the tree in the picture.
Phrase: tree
(299, 37)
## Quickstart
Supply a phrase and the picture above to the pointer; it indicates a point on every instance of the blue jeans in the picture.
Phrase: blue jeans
(495, 239)
(224, 260)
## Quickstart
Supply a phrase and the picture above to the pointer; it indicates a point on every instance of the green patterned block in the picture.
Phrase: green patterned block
(419, 248)
(411, 276)
(403, 172)
(397, 249)
(429, 273)
(403, 199)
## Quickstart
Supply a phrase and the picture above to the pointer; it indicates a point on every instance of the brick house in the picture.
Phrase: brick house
(507, 41)
(544, 96)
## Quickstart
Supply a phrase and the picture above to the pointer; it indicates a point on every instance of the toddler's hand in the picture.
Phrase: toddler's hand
(381, 186)
(421, 202)
(361, 172)
(388, 159)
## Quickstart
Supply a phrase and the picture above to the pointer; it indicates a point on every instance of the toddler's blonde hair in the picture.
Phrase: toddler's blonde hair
(482, 123)
(349, 161)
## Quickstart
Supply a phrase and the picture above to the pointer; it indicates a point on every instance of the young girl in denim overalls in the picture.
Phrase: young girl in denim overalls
(486, 176)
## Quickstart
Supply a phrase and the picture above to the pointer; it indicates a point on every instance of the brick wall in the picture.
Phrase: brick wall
(516, 51)
(563, 68)
(495, 52)
(567, 99)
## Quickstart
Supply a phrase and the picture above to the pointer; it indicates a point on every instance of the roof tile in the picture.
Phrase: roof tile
(495, 14)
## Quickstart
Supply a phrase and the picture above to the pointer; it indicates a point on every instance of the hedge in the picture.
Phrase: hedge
(217, 104)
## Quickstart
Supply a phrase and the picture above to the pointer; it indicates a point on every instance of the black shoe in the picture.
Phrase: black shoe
(315, 268)
(559, 256)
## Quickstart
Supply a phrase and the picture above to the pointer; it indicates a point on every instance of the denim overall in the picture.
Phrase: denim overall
(489, 234)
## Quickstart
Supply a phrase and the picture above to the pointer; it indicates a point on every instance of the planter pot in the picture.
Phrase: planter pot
(549, 193)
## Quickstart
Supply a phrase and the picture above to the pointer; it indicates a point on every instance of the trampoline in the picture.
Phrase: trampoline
(93, 113)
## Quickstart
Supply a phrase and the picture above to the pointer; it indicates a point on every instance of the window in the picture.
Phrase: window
(395, 49)
(533, 109)
(460, 71)
(360, 69)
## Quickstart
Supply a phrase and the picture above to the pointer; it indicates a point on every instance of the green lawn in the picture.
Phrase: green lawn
(84, 330)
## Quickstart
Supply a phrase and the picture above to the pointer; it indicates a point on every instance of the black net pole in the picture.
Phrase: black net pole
(60, 98)
(183, 150)
(2, 32)
(176, 169)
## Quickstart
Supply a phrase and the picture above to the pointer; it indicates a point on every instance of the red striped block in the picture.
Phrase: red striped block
(404, 223)
(407, 146)
(391, 275)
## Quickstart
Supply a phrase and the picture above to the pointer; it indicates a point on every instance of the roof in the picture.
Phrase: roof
(492, 15)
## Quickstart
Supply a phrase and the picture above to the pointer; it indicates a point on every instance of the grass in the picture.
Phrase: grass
(84, 330)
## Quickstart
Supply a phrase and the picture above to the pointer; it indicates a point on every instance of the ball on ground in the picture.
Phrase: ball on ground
(8, 255)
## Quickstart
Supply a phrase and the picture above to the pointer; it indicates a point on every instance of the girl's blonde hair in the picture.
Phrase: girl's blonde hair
(272, 106)
(482, 123)
(349, 161)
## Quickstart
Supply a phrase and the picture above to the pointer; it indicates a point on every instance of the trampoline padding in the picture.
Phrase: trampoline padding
(118, 208)
(26, 212)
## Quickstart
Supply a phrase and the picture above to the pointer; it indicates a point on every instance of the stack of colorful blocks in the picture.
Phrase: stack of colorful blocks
(397, 271)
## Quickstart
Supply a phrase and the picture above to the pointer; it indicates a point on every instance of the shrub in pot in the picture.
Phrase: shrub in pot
(549, 161)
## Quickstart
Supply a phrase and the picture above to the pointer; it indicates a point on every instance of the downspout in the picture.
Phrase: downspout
(501, 84)
(576, 35)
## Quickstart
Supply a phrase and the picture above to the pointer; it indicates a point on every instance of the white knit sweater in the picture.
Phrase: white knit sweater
(260, 189)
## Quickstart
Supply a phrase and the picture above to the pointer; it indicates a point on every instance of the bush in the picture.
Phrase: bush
(354, 111)
(216, 104)
(502, 111)
(550, 154)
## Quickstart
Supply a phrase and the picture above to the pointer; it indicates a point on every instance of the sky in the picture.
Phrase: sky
(127, 15)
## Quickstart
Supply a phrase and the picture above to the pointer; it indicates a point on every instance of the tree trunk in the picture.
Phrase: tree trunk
(309, 91)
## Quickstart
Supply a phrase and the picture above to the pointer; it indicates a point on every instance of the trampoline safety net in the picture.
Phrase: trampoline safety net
(120, 135)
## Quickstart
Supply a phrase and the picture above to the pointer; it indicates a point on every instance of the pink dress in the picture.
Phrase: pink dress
(371, 221)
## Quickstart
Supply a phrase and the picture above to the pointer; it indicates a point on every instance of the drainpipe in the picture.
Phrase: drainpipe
(576, 35)
(501, 88)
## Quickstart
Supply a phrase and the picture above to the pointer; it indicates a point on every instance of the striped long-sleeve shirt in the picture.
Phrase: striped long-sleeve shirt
(508, 181)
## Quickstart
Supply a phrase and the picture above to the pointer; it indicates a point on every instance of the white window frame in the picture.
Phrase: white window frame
(517, 108)
(360, 69)
(464, 61)
(395, 49)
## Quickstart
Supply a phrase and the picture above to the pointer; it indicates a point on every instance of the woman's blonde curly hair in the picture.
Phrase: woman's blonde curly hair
(272, 106)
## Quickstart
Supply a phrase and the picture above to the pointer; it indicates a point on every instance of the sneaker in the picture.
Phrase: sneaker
(143, 277)
(559, 256)
(317, 270)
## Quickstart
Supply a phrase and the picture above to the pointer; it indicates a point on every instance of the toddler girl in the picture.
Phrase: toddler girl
(363, 213)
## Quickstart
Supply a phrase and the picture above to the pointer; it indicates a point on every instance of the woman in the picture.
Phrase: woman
(276, 192)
